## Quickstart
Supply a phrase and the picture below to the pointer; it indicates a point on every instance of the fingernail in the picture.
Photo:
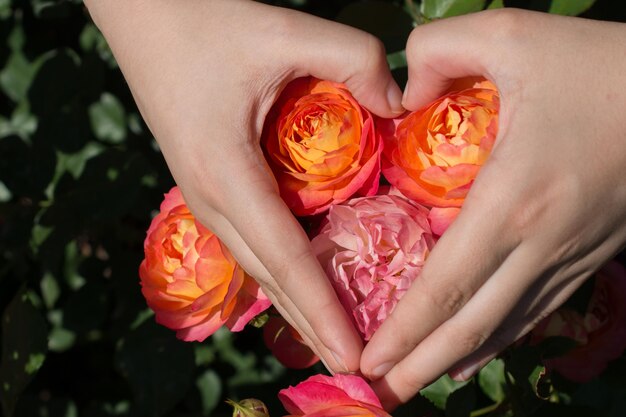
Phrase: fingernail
(381, 370)
(405, 95)
(464, 374)
(394, 96)
(340, 362)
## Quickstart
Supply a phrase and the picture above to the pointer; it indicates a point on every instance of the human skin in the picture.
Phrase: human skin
(546, 210)
(204, 74)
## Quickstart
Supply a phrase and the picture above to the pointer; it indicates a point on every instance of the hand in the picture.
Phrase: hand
(547, 209)
(204, 75)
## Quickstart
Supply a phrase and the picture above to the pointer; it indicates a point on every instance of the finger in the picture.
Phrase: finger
(466, 342)
(448, 49)
(252, 205)
(251, 264)
(463, 259)
(340, 53)
(465, 333)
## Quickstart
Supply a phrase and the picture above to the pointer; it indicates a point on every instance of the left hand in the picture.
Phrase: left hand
(547, 209)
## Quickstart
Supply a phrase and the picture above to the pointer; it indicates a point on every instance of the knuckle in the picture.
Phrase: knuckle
(414, 45)
(465, 342)
(448, 301)
(375, 48)
(405, 341)
(507, 23)
(371, 59)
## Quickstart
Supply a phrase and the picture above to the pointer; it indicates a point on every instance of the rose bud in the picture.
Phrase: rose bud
(600, 334)
(433, 155)
(321, 145)
(287, 345)
(250, 407)
(340, 395)
(372, 249)
(191, 280)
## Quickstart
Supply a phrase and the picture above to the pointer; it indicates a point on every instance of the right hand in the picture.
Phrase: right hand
(204, 75)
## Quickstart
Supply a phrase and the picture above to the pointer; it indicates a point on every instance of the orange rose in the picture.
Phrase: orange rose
(434, 154)
(190, 279)
(321, 145)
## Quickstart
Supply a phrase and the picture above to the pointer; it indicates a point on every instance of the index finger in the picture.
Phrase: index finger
(251, 203)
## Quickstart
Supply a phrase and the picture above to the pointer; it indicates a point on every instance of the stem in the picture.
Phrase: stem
(485, 410)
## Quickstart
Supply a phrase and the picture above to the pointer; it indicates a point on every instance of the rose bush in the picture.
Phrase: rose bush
(325, 396)
(321, 145)
(190, 279)
(433, 155)
(372, 249)
(600, 334)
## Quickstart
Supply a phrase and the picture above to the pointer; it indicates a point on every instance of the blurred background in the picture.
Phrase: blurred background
(80, 179)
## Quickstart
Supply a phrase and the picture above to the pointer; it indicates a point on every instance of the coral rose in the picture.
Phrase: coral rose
(600, 334)
(190, 279)
(287, 345)
(373, 248)
(337, 396)
(433, 155)
(321, 145)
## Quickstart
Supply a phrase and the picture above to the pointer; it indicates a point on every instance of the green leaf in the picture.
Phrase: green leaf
(5, 9)
(91, 39)
(540, 383)
(108, 119)
(570, 7)
(24, 346)
(397, 60)
(50, 290)
(159, 368)
(437, 9)
(439, 391)
(491, 380)
(17, 75)
(5, 193)
(210, 387)
(61, 339)
(496, 4)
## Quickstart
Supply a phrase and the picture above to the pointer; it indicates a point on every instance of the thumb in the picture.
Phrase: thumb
(442, 51)
(340, 53)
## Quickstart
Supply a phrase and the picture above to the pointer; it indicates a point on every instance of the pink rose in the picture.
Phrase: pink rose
(373, 248)
(600, 334)
(337, 396)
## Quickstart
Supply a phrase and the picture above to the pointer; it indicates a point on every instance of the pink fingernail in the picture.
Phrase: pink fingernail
(466, 373)
(381, 370)
(340, 362)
